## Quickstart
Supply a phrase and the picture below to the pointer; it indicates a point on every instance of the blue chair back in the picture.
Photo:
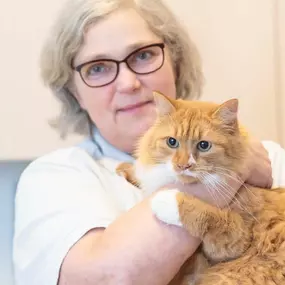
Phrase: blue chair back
(10, 172)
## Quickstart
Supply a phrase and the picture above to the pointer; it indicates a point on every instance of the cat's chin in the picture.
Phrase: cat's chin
(186, 179)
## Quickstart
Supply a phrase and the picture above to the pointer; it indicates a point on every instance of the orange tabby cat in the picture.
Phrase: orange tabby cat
(242, 244)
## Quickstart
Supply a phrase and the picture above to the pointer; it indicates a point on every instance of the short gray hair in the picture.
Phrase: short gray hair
(66, 38)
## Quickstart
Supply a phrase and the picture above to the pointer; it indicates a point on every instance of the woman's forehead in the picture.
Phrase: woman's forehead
(115, 36)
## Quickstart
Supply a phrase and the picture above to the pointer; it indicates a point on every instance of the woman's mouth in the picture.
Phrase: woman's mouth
(134, 108)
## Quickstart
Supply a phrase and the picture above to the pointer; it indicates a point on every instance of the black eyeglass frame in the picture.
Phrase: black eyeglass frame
(118, 62)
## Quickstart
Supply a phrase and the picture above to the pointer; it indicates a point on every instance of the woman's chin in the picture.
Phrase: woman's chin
(142, 127)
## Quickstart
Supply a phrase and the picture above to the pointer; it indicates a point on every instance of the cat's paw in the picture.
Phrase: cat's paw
(165, 207)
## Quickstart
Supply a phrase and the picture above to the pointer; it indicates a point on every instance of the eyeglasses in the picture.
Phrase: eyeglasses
(145, 60)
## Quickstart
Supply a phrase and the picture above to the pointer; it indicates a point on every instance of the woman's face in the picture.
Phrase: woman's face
(123, 109)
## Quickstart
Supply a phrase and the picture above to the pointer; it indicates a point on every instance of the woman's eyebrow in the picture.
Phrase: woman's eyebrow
(128, 49)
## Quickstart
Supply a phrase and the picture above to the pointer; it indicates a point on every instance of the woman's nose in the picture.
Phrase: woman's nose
(127, 80)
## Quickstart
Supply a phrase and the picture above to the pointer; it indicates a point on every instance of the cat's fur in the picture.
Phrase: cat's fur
(243, 243)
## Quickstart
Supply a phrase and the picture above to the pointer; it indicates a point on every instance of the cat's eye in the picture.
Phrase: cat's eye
(172, 142)
(204, 146)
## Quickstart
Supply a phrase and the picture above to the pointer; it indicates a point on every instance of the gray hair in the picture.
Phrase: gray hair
(67, 36)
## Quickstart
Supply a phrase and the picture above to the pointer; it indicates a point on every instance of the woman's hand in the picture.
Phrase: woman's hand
(259, 170)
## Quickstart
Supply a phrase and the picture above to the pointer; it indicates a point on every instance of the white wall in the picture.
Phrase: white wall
(280, 63)
(237, 40)
(25, 105)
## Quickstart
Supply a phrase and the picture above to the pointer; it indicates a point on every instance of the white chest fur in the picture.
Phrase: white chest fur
(154, 177)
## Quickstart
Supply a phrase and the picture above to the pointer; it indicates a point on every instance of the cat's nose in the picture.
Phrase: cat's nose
(185, 166)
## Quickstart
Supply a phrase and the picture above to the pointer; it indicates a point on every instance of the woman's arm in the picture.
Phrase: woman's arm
(134, 249)
(61, 211)
(59, 203)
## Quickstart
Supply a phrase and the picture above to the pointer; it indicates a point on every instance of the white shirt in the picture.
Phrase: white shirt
(64, 194)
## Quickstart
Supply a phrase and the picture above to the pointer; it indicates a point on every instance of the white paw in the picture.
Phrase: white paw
(164, 206)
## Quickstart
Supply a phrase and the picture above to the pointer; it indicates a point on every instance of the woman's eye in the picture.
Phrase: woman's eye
(96, 69)
(204, 146)
(172, 142)
(144, 55)
(99, 68)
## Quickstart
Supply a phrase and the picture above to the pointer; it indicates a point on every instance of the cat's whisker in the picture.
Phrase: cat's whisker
(235, 201)
(222, 194)
(223, 168)
(210, 181)
(212, 194)
(213, 167)
(223, 171)
(225, 187)
(239, 180)
(239, 201)
(234, 176)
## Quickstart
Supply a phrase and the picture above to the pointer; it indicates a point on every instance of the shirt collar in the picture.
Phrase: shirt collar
(105, 149)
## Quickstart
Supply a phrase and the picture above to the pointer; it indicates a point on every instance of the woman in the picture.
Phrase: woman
(86, 225)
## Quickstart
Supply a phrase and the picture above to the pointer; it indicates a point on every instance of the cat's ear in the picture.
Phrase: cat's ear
(164, 105)
(227, 112)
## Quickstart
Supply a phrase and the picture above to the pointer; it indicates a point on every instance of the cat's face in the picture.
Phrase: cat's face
(194, 139)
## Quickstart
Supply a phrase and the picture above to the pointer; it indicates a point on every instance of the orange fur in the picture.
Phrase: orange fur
(241, 245)
(126, 170)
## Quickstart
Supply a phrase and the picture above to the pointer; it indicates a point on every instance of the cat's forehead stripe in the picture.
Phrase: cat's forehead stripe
(194, 125)
(196, 133)
(188, 125)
